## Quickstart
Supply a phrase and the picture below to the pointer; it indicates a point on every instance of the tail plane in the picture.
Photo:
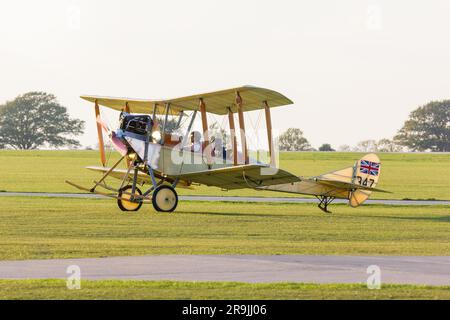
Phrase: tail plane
(355, 183)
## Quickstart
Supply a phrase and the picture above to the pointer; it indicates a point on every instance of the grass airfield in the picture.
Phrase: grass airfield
(41, 228)
(113, 289)
(407, 176)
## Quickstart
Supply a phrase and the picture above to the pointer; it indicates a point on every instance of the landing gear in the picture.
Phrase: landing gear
(324, 202)
(126, 200)
(164, 198)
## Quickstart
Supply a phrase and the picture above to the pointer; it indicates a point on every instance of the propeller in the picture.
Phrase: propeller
(115, 141)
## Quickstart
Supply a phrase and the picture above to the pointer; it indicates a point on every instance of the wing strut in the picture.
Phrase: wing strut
(101, 145)
(233, 135)
(269, 133)
(242, 127)
(206, 148)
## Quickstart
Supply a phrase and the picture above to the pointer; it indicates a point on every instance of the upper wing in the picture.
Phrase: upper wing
(243, 176)
(217, 102)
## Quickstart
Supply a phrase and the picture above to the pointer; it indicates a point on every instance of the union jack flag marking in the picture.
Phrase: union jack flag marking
(369, 167)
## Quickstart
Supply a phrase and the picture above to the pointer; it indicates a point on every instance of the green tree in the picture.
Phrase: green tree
(428, 128)
(345, 148)
(326, 147)
(292, 140)
(36, 119)
(217, 132)
(366, 146)
(171, 125)
(387, 145)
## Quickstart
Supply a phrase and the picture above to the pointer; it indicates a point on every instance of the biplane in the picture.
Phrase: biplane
(162, 152)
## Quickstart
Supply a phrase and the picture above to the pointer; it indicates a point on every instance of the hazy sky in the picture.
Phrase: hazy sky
(355, 69)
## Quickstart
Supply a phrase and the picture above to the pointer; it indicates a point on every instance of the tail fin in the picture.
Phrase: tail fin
(358, 180)
(366, 173)
(354, 183)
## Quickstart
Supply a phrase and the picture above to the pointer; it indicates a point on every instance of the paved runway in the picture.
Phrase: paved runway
(230, 199)
(242, 268)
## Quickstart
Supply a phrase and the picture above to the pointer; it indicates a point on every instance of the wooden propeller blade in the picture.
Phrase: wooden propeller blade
(102, 124)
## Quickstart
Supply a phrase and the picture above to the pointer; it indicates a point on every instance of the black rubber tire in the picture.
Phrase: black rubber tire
(119, 201)
(171, 198)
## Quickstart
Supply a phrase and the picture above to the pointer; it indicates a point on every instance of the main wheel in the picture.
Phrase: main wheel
(165, 198)
(124, 194)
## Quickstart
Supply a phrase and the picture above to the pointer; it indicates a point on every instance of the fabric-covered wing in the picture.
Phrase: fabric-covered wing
(141, 179)
(136, 105)
(239, 177)
(236, 177)
(216, 102)
(120, 174)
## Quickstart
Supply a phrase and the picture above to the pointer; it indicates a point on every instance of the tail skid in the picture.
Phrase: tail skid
(324, 202)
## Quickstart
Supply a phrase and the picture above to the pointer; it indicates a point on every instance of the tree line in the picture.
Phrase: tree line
(426, 129)
(36, 119)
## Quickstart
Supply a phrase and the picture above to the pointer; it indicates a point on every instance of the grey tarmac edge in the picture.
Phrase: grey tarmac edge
(425, 270)
(230, 199)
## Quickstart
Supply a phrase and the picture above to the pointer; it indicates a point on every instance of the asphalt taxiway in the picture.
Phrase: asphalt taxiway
(242, 268)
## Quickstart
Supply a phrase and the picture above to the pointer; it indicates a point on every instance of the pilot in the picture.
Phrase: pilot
(219, 149)
(196, 145)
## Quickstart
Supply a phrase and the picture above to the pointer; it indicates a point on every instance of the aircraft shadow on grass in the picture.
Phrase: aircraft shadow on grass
(435, 219)
(238, 214)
